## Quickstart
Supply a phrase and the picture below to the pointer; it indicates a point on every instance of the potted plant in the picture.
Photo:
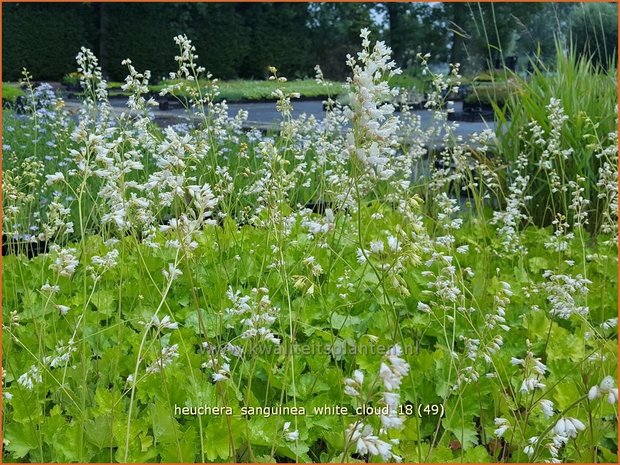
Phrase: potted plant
(71, 81)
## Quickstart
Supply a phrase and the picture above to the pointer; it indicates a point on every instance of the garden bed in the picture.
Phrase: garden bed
(210, 294)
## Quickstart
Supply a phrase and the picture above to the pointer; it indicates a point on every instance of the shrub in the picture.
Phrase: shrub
(11, 93)
(488, 93)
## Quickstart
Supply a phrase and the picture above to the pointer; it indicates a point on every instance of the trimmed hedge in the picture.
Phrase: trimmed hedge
(232, 40)
(142, 32)
(279, 37)
(45, 37)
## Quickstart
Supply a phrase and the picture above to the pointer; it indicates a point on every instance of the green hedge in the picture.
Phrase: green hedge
(278, 37)
(221, 37)
(44, 38)
(232, 40)
(143, 33)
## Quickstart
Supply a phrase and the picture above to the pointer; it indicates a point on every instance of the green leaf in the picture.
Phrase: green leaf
(105, 401)
(26, 409)
(140, 450)
(165, 427)
(565, 394)
(99, 432)
(105, 302)
(296, 451)
(565, 345)
(463, 430)
(184, 451)
(217, 440)
(309, 384)
(608, 455)
(201, 321)
(478, 454)
(538, 264)
(68, 444)
(441, 454)
(21, 439)
(340, 322)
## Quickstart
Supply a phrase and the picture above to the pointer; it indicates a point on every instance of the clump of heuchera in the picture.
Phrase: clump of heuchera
(361, 433)
(372, 138)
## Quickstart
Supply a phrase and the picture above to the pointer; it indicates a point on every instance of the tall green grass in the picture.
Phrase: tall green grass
(589, 96)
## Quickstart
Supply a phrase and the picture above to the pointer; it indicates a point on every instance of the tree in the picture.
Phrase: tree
(536, 40)
(594, 31)
(483, 34)
(334, 33)
(415, 28)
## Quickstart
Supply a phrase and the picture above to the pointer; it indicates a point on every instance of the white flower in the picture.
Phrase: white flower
(424, 307)
(65, 262)
(172, 273)
(374, 125)
(393, 243)
(594, 393)
(391, 399)
(235, 351)
(353, 385)
(361, 258)
(562, 294)
(529, 449)
(607, 383)
(377, 247)
(611, 323)
(164, 323)
(49, 288)
(392, 421)
(539, 367)
(366, 442)
(62, 354)
(109, 260)
(222, 374)
(392, 372)
(54, 178)
(290, 435)
(502, 426)
(462, 249)
(168, 355)
(568, 427)
(30, 378)
(605, 388)
(531, 383)
(63, 309)
(547, 408)
(516, 361)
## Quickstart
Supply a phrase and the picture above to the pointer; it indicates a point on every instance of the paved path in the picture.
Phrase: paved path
(263, 115)
(266, 113)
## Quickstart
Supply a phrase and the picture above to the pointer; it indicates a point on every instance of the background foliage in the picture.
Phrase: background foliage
(240, 40)
(45, 38)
